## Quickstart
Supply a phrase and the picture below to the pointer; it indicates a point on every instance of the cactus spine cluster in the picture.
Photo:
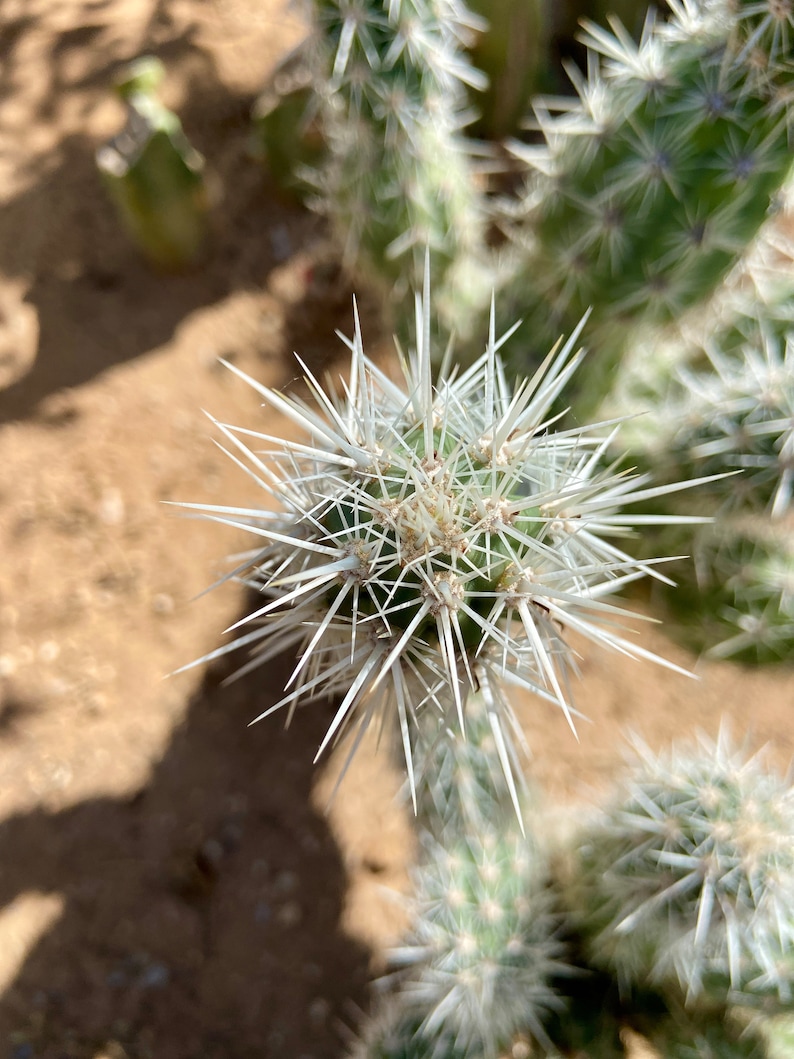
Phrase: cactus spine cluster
(434, 539)
(687, 884)
(399, 176)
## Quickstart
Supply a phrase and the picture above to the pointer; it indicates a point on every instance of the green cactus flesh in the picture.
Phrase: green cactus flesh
(651, 187)
(688, 883)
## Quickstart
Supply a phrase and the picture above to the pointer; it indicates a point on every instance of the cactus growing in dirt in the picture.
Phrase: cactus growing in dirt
(687, 883)
(729, 407)
(742, 605)
(153, 175)
(437, 539)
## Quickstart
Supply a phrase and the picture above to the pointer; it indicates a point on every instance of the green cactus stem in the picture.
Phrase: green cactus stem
(476, 969)
(687, 883)
(153, 175)
(399, 177)
(651, 185)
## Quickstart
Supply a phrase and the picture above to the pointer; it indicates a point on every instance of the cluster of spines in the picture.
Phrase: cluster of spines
(651, 185)
(687, 883)
(731, 410)
(476, 968)
(434, 539)
(399, 177)
(745, 590)
(726, 407)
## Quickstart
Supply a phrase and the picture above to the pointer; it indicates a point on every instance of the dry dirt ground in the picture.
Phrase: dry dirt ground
(170, 883)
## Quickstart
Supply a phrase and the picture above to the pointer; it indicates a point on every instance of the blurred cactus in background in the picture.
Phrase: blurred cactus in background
(687, 883)
(724, 402)
(287, 136)
(153, 175)
(399, 177)
(651, 184)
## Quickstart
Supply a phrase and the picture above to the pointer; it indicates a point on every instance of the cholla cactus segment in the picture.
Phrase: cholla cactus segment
(688, 882)
(153, 175)
(483, 949)
(399, 176)
(461, 783)
(651, 185)
(738, 601)
(732, 410)
(757, 594)
(432, 540)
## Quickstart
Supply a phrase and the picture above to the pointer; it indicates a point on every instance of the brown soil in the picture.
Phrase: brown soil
(170, 883)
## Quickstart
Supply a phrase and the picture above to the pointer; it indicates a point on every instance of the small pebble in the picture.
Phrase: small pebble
(212, 851)
(319, 1010)
(163, 604)
(263, 913)
(286, 882)
(49, 651)
(290, 914)
(111, 507)
(280, 242)
(154, 977)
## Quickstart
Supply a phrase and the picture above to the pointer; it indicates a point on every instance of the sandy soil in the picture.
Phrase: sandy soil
(170, 883)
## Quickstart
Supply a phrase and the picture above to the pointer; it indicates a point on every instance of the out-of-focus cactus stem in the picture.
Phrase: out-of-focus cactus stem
(153, 175)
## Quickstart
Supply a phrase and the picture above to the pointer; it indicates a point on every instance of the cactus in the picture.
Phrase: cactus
(650, 187)
(476, 969)
(725, 403)
(687, 884)
(745, 578)
(399, 177)
(434, 540)
(679, 1038)
(482, 949)
(153, 175)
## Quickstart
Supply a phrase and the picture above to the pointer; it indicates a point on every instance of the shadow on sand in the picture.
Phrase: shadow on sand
(209, 899)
